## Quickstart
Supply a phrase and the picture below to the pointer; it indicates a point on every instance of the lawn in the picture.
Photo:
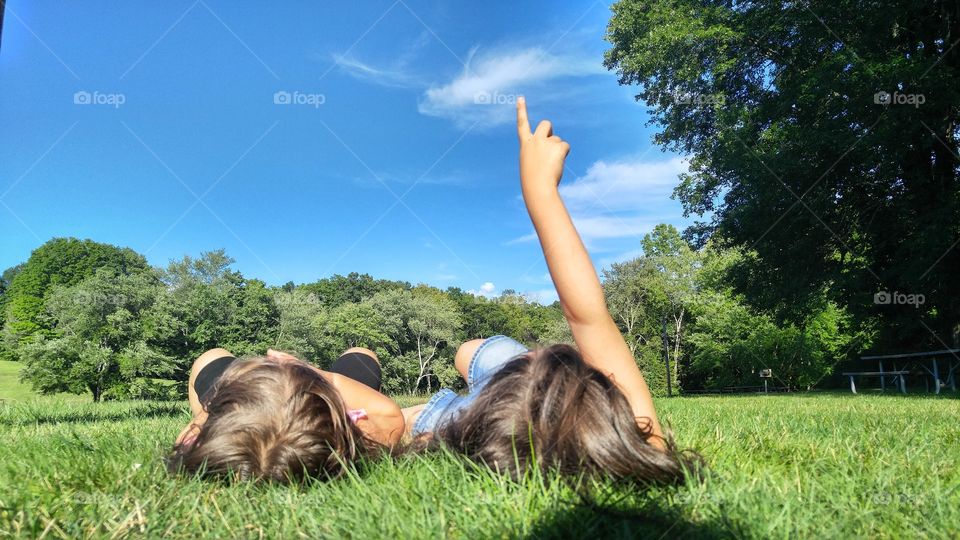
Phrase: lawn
(10, 386)
(810, 465)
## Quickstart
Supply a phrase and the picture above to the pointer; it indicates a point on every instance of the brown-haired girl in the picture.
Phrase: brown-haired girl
(277, 418)
(579, 411)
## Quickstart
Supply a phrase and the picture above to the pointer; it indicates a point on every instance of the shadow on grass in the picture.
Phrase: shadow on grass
(589, 521)
(34, 416)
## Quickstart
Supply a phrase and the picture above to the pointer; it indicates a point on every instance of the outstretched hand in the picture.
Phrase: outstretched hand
(541, 154)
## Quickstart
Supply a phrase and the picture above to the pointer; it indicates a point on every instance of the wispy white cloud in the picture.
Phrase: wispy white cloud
(399, 72)
(521, 239)
(486, 89)
(396, 77)
(408, 178)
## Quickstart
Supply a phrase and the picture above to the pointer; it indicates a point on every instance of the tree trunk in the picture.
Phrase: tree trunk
(676, 344)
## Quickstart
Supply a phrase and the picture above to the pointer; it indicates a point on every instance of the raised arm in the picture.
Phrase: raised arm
(542, 155)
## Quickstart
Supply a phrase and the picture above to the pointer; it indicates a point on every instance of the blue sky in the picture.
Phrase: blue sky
(309, 140)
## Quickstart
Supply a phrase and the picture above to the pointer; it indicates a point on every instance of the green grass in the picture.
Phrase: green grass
(11, 389)
(10, 386)
(813, 465)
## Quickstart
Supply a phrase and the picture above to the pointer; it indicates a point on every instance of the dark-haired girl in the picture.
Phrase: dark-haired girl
(579, 410)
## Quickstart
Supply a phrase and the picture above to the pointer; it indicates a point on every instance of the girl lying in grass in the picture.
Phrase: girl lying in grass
(586, 411)
(275, 417)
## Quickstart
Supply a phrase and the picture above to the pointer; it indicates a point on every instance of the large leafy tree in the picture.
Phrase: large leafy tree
(424, 324)
(823, 137)
(208, 305)
(300, 323)
(103, 335)
(649, 298)
(510, 314)
(59, 262)
(728, 342)
(482, 318)
(255, 317)
(358, 324)
(679, 300)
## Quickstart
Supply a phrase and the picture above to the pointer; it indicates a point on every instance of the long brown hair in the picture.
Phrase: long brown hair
(551, 410)
(272, 421)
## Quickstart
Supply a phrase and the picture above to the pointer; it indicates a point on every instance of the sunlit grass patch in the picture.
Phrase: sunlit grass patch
(816, 465)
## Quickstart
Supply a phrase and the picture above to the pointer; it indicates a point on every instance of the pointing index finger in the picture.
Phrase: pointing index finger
(523, 124)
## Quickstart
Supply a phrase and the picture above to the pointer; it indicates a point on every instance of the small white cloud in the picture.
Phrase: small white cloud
(487, 289)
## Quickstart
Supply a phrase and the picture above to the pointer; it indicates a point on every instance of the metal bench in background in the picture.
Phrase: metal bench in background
(899, 378)
(942, 375)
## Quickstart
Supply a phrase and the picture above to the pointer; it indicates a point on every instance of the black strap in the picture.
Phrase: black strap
(359, 367)
(209, 376)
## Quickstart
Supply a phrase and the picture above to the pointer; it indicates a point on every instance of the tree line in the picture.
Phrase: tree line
(84, 316)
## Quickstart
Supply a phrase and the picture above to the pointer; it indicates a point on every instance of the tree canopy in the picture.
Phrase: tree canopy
(823, 140)
(59, 262)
